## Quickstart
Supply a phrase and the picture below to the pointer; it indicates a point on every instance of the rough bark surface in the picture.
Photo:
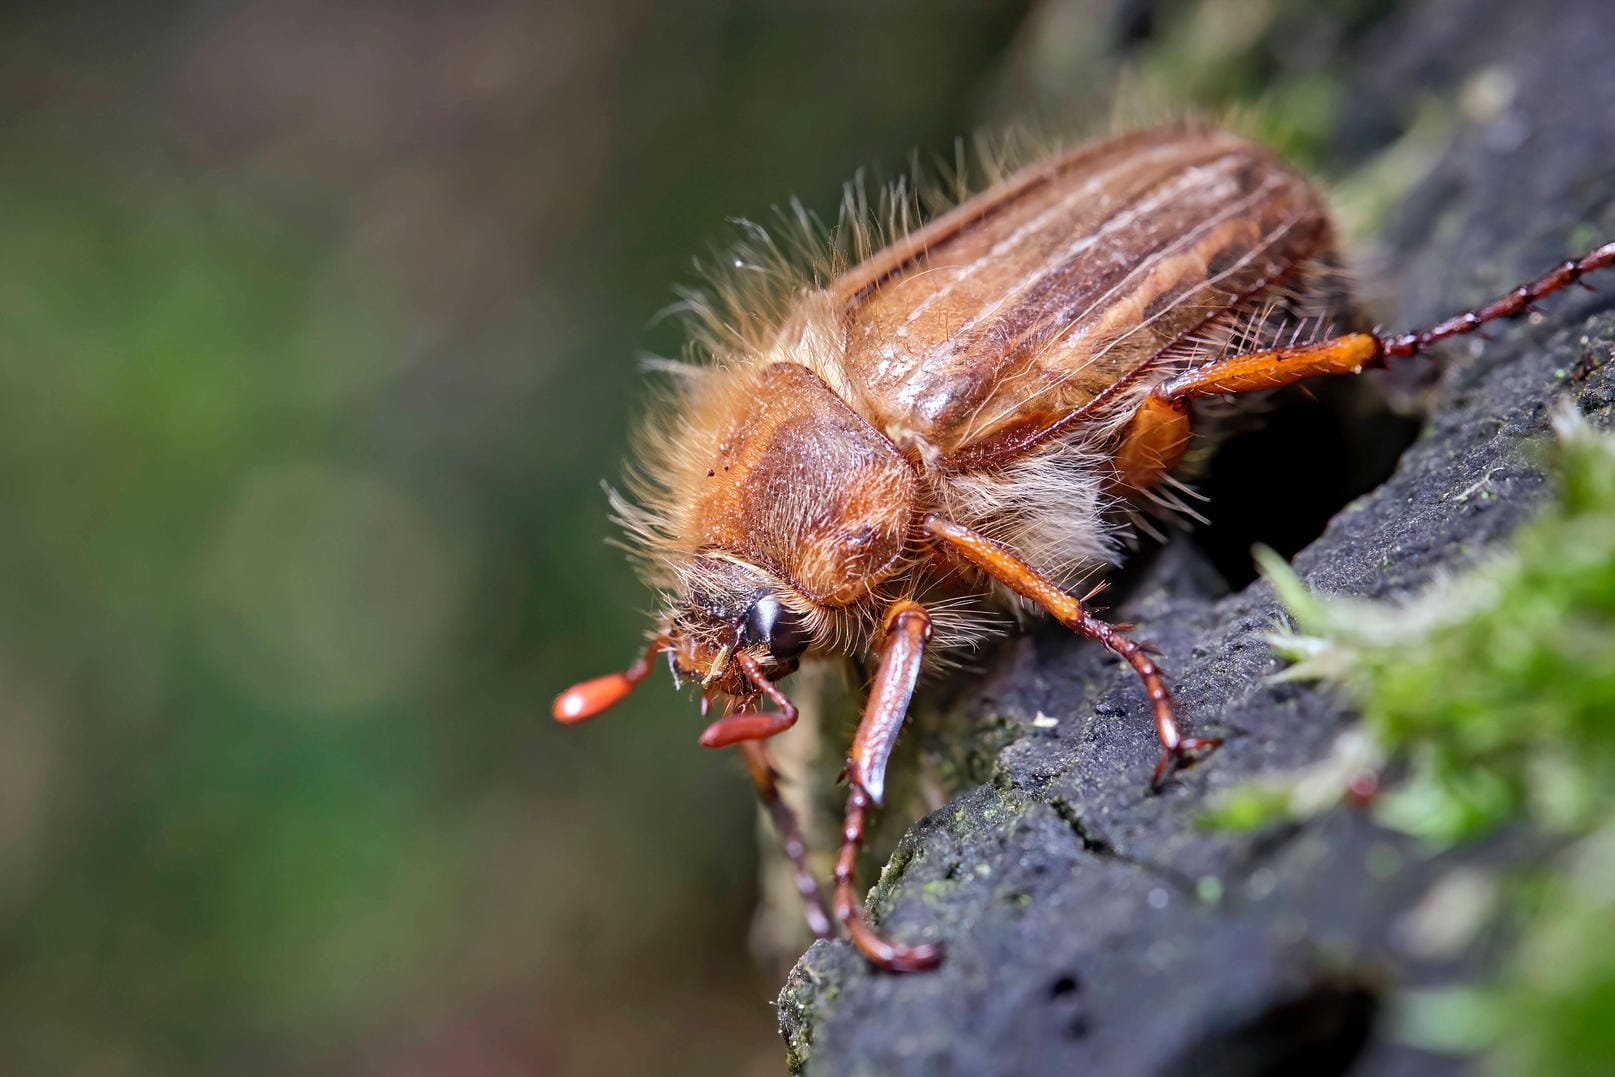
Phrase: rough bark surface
(1083, 929)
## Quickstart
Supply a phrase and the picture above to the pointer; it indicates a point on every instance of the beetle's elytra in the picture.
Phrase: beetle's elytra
(865, 463)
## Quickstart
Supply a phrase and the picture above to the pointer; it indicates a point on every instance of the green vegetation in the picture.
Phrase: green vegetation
(1492, 690)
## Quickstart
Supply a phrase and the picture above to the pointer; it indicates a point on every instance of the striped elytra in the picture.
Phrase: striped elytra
(1028, 301)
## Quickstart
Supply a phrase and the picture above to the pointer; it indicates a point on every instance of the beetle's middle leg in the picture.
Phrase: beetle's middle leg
(1003, 565)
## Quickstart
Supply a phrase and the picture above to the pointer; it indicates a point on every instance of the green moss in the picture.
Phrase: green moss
(962, 750)
(798, 1002)
(1247, 808)
(1499, 683)
(1495, 688)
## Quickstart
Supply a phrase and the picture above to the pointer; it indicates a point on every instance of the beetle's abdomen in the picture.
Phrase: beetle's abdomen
(1026, 302)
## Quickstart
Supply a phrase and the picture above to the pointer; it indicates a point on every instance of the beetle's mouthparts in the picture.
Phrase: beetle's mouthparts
(719, 664)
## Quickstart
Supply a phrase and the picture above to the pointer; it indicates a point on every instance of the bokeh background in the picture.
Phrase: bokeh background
(320, 326)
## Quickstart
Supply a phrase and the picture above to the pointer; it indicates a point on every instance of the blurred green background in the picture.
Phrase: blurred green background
(320, 326)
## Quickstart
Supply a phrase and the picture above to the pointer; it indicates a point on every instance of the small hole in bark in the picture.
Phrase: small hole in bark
(1065, 985)
(1078, 1028)
(1321, 1031)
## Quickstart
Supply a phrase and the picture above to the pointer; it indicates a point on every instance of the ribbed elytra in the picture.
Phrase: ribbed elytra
(873, 454)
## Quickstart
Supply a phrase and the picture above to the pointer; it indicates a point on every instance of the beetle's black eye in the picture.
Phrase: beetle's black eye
(777, 626)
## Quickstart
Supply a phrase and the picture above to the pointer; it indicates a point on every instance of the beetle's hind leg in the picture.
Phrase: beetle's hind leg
(1159, 430)
(1003, 565)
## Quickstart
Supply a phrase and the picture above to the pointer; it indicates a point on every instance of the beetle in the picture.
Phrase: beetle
(870, 460)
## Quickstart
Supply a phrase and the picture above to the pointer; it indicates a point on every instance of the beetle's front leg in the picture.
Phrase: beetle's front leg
(748, 729)
(908, 628)
(790, 835)
(1003, 565)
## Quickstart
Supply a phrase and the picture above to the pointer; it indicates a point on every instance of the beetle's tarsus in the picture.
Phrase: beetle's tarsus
(882, 953)
(1180, 758)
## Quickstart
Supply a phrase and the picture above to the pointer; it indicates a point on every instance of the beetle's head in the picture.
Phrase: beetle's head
(727, 608)
(730, 627)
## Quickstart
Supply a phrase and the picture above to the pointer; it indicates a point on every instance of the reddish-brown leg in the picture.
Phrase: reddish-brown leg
(766, 780)
(1159, 430)
(908, 627)
(1003, 565)
(751, 725)
(1517, 301)
(748, 729)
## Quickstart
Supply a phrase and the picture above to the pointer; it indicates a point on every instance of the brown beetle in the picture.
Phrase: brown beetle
(869, 460)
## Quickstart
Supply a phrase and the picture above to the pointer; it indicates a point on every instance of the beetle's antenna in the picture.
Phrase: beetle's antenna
(584, 701)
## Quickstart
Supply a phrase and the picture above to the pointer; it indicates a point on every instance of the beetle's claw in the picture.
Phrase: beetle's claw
(1175, 759)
